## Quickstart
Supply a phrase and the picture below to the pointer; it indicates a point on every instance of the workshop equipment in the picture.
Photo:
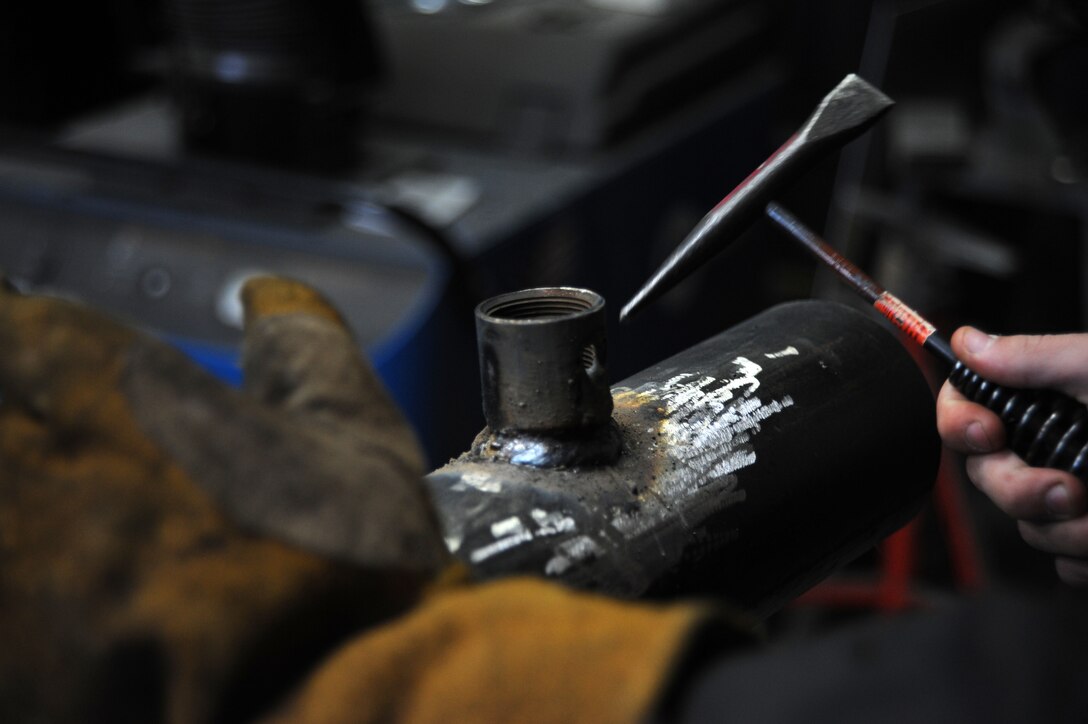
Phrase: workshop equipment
(174, 232)
(555, 77)
(845, 113)
(747, 464)
(1044, 427)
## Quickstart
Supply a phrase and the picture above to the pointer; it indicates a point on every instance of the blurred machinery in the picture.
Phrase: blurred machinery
(409, 158)
(412, 157)
(971, 198)
(168, 246)
(973, 194)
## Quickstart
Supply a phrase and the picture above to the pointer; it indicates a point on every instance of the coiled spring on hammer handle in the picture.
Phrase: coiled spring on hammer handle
(1045, 428)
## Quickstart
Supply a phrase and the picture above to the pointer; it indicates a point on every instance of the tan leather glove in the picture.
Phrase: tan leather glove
(173, 550)
(518, 650)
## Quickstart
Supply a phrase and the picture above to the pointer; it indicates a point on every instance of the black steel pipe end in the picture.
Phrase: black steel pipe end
(543, 364)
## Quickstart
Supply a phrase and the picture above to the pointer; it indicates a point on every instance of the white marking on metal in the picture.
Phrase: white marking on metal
(788, 351)
(511, 532)
(570, 552)
(671, 382)
(551, 523)
(579, 548)
(707, 429)
(508, 526)
(556, 565)
(478, 481)
(736, 461)
(504, 544)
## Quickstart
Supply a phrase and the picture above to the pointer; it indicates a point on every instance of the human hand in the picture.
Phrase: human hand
(1049, 505)
(175, 550)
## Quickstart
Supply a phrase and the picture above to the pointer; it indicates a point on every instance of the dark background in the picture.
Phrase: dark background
(411, 159)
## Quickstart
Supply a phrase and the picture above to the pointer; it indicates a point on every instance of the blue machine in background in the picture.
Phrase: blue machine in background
(167, 249)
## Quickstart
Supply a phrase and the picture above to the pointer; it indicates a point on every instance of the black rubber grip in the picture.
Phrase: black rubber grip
(1045, 428)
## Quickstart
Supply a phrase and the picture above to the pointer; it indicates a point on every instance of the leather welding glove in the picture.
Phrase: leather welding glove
(517, 650)
(175, 550)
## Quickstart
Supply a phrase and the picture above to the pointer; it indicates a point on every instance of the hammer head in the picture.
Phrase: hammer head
(849, 110)
(845, 113)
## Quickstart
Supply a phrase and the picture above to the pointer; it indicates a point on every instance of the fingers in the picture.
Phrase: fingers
(1073, 571)
(299, 483)
(1024, 492)
(1068, 540)
(1050, 506)
(89, 379)
(296, 463)
(966, 427)
(300, 357)
(1055, 361)
(298, 354)
(1050, 361)
(265, 297)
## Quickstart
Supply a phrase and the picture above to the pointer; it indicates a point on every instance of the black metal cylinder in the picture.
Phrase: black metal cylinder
(752, 465)
(543, 361)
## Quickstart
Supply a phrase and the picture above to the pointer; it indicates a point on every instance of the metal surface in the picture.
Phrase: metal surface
(752, 465)
(1044, 427)
(846, 112)
(544, 379)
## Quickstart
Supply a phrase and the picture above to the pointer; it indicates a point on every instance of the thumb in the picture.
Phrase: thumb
(300, 358)
(1028, 361)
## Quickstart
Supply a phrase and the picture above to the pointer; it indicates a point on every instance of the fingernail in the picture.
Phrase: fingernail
(1058, 501)
(976, 438)
(976, 341)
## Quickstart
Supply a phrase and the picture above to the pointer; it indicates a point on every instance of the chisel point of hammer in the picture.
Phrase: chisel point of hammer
(845, 113)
